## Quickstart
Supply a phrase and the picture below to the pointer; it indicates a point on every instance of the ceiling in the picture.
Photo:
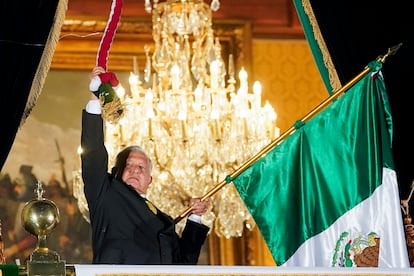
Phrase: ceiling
(236, 23)
(269, 18)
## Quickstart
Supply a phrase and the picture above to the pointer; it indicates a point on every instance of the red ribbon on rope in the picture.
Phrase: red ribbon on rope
(109, 34)
(108, 80)
(103, 86)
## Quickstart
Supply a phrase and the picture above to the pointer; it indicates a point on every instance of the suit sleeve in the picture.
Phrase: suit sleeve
(94, 158)
(192, 239)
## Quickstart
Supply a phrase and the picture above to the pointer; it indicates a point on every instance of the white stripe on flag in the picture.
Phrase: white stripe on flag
(380, 214)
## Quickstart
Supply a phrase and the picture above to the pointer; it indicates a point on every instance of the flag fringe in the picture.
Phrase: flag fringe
(333, 75)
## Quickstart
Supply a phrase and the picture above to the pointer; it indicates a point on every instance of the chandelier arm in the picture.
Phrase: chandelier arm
(157, 160)
(378, 62)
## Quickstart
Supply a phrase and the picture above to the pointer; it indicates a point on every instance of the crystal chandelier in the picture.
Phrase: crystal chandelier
(185, 110)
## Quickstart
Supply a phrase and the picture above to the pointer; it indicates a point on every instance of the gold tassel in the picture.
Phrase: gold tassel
(112, 111)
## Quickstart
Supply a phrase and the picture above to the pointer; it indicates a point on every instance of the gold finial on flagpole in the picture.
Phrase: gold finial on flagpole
(391, 52)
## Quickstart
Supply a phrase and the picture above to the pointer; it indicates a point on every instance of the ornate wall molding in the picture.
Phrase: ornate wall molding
(80, 38)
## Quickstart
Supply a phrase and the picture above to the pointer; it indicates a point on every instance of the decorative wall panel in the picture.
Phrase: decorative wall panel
(289, 77)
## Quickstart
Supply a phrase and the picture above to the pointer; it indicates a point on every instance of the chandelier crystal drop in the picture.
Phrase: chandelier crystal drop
(185, 110)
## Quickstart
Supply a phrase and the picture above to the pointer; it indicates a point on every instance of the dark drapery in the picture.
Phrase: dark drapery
(29, 33)
(345, 35)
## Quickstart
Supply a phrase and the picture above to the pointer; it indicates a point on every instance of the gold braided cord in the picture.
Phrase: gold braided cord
(112, 111)
(46, 59)
(333, 76)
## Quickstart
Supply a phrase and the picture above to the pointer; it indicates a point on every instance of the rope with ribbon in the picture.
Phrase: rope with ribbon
(405, 207)
(104, 85)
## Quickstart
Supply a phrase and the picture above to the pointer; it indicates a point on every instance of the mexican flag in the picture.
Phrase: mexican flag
(327, 195)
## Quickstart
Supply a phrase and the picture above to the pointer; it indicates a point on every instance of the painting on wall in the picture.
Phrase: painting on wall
(45, 151)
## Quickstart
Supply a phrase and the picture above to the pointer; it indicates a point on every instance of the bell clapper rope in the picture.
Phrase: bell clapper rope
(409, 227)
(405, 203)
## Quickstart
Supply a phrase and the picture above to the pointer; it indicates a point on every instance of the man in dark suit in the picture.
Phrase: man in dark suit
(126, 228)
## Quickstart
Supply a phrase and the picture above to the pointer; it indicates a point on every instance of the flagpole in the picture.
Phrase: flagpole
(271, 145)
